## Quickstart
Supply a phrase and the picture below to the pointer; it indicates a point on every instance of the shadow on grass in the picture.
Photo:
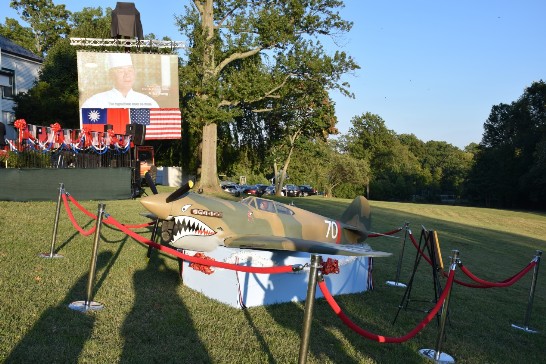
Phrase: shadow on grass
(60, 333)
(159, 328)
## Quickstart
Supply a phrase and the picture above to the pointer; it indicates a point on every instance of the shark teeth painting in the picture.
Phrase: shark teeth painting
(190, 226)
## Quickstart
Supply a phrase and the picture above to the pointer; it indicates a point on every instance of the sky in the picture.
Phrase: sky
(432, 68)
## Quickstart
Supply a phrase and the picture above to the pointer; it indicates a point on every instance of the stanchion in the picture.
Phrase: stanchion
(527, 318)
(88, 304)
(396, 282)
(436, 354)
(316, 261)
(52, 253)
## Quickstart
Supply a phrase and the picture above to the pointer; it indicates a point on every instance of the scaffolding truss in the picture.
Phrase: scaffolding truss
(132, 43)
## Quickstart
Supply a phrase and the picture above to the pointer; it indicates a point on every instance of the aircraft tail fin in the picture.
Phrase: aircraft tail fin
(358, 214)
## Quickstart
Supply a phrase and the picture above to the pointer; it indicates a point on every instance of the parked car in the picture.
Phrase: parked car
(261, 188)
(307, 190)
(251, 190)
(270, 190)
(232, 188)
(291, 191)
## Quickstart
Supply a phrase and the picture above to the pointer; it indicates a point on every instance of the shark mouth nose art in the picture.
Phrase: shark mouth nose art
(190, 226)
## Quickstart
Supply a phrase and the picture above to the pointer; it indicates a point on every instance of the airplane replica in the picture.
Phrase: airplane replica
(264, 229)
(201, 223)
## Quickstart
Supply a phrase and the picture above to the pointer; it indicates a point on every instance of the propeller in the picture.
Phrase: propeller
(150, 182)
(179, 192)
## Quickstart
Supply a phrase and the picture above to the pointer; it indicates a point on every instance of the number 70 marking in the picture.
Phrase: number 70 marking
(332, 230)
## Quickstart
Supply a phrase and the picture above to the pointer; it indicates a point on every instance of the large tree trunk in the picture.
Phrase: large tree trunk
(209, 175)
(209, 168)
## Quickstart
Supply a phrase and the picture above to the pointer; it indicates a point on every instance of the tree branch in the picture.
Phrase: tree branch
(234, 56)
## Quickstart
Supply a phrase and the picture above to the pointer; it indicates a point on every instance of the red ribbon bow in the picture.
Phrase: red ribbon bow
(20, 124)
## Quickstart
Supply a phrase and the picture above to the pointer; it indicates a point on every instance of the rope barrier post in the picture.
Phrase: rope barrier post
(316, 261)
(51, 253)
(88, 304)
(436, 354)
(396, 282)
(527, 318)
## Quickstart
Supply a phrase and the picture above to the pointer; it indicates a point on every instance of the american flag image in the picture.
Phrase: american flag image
(160, 123)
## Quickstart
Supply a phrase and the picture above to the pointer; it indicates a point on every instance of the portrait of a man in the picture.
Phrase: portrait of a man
(122, 74)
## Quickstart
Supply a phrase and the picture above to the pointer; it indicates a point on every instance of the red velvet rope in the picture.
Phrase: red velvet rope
(419, 249)
(81, 208)
(375, 235)
(482, 283)
(193, 259)
(506, 283)
(387, 339)
(91, 215)
(73, 220)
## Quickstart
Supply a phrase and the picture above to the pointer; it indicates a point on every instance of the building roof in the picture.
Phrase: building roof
(8, 46)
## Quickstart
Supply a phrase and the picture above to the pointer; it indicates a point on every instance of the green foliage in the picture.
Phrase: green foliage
(91, 23)
(509, 168)
(48, 22)
(260, 56)
(14, 31)
(54, 98)
(28, 159)
(403, 166)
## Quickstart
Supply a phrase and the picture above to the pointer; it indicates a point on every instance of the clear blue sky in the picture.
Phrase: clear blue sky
(433, 68)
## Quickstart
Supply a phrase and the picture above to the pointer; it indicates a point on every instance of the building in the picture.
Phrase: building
(19, 69)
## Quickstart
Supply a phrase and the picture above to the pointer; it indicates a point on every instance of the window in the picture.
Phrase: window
(284, 210)
(7, 83)
(8, 117)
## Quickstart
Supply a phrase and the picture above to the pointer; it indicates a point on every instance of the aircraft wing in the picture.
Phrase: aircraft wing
(262, 242)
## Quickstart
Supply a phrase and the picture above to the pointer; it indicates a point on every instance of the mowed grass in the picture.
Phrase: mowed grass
(151, 317)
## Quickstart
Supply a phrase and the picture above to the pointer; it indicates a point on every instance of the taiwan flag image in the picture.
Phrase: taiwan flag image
(94, 118)
(118, 118)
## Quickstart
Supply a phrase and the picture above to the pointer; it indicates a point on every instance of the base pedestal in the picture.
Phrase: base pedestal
(525, 328)
(84, 306)
(48, 255)
(395, 284)
(443, 358)
(240, 289)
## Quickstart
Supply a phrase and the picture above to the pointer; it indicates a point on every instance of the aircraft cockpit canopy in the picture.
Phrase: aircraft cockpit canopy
(266, 205)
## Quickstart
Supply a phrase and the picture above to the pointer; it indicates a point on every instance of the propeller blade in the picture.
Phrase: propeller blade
(150, 182)
(180, 192)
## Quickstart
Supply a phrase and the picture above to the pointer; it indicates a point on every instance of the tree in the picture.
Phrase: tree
(343, 169)
(47, 21)
(54, 98)
(369, 139)
(91, 23)
(15, 32)
(509, 166)
(246, 53)
(306, 112)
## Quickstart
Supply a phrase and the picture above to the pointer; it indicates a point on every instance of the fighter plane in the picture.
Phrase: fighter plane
(193, 221)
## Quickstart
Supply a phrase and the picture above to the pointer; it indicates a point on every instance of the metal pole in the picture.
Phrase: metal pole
(396, 282)
(316, 262)
(88, 304)
(51, 253)
(527, 318)
(436, 354)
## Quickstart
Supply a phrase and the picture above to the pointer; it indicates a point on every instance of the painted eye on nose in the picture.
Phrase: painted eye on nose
(185, 208)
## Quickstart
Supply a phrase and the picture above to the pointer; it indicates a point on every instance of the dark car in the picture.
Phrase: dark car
(291, 191)
(232, 188)
(269, 190)
(261, 188)
(307, 190)
(251, 190)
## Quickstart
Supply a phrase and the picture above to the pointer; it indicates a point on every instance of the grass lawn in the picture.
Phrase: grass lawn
(150, 317)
